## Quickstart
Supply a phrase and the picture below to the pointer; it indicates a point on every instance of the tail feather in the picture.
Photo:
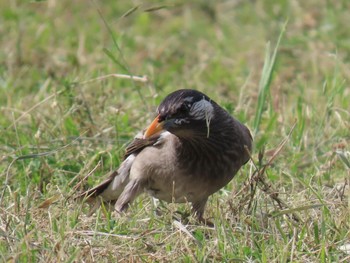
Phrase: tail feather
(97, 190)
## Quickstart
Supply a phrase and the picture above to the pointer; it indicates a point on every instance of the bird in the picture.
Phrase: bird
(191, 150)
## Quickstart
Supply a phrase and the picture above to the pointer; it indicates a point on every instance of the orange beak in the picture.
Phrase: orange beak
(154, 128)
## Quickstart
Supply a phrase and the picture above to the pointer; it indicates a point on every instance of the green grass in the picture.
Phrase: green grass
(56, 127)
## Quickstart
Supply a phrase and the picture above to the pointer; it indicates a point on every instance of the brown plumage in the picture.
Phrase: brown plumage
(191, 150)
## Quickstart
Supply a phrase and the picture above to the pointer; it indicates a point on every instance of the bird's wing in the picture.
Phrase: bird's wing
(97, 190)
(138, 144)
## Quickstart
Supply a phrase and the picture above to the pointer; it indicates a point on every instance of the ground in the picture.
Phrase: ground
(280, 67)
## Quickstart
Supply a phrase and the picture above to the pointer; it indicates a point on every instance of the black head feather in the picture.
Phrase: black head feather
(179, 103)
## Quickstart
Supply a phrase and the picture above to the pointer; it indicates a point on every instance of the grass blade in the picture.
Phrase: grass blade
(265, 81)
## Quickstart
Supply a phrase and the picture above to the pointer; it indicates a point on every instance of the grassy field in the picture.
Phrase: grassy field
(65, 122)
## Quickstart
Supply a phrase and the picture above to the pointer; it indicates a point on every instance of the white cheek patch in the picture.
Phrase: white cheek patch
(202, 110)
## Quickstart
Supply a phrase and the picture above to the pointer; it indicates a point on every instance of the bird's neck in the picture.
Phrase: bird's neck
(215, 149)
(205, 144)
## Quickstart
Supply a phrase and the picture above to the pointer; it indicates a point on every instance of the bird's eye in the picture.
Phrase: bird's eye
(184, 109)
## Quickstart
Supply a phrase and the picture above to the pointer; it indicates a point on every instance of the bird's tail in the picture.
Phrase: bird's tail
(112, 187)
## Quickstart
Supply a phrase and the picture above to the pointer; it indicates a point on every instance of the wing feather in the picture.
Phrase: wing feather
(138, 144)
(116, 179)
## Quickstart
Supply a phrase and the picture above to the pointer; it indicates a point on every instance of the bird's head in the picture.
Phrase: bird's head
(184, 113)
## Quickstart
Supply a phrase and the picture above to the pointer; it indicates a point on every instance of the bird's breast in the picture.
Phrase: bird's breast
(174, 173)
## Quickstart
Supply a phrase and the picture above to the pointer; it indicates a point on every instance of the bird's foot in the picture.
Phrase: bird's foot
(205, 222)
(93, 206)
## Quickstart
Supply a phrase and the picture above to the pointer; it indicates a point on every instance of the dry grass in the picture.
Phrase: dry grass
(67, 110)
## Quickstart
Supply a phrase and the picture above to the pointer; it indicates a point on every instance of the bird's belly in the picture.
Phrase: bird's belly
(175, 196)
(181, 190)
(165, 196)
(167, 179)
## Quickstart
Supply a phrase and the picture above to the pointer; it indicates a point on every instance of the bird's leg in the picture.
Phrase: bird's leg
(93, 206)
(198, 211)
(130, 192)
